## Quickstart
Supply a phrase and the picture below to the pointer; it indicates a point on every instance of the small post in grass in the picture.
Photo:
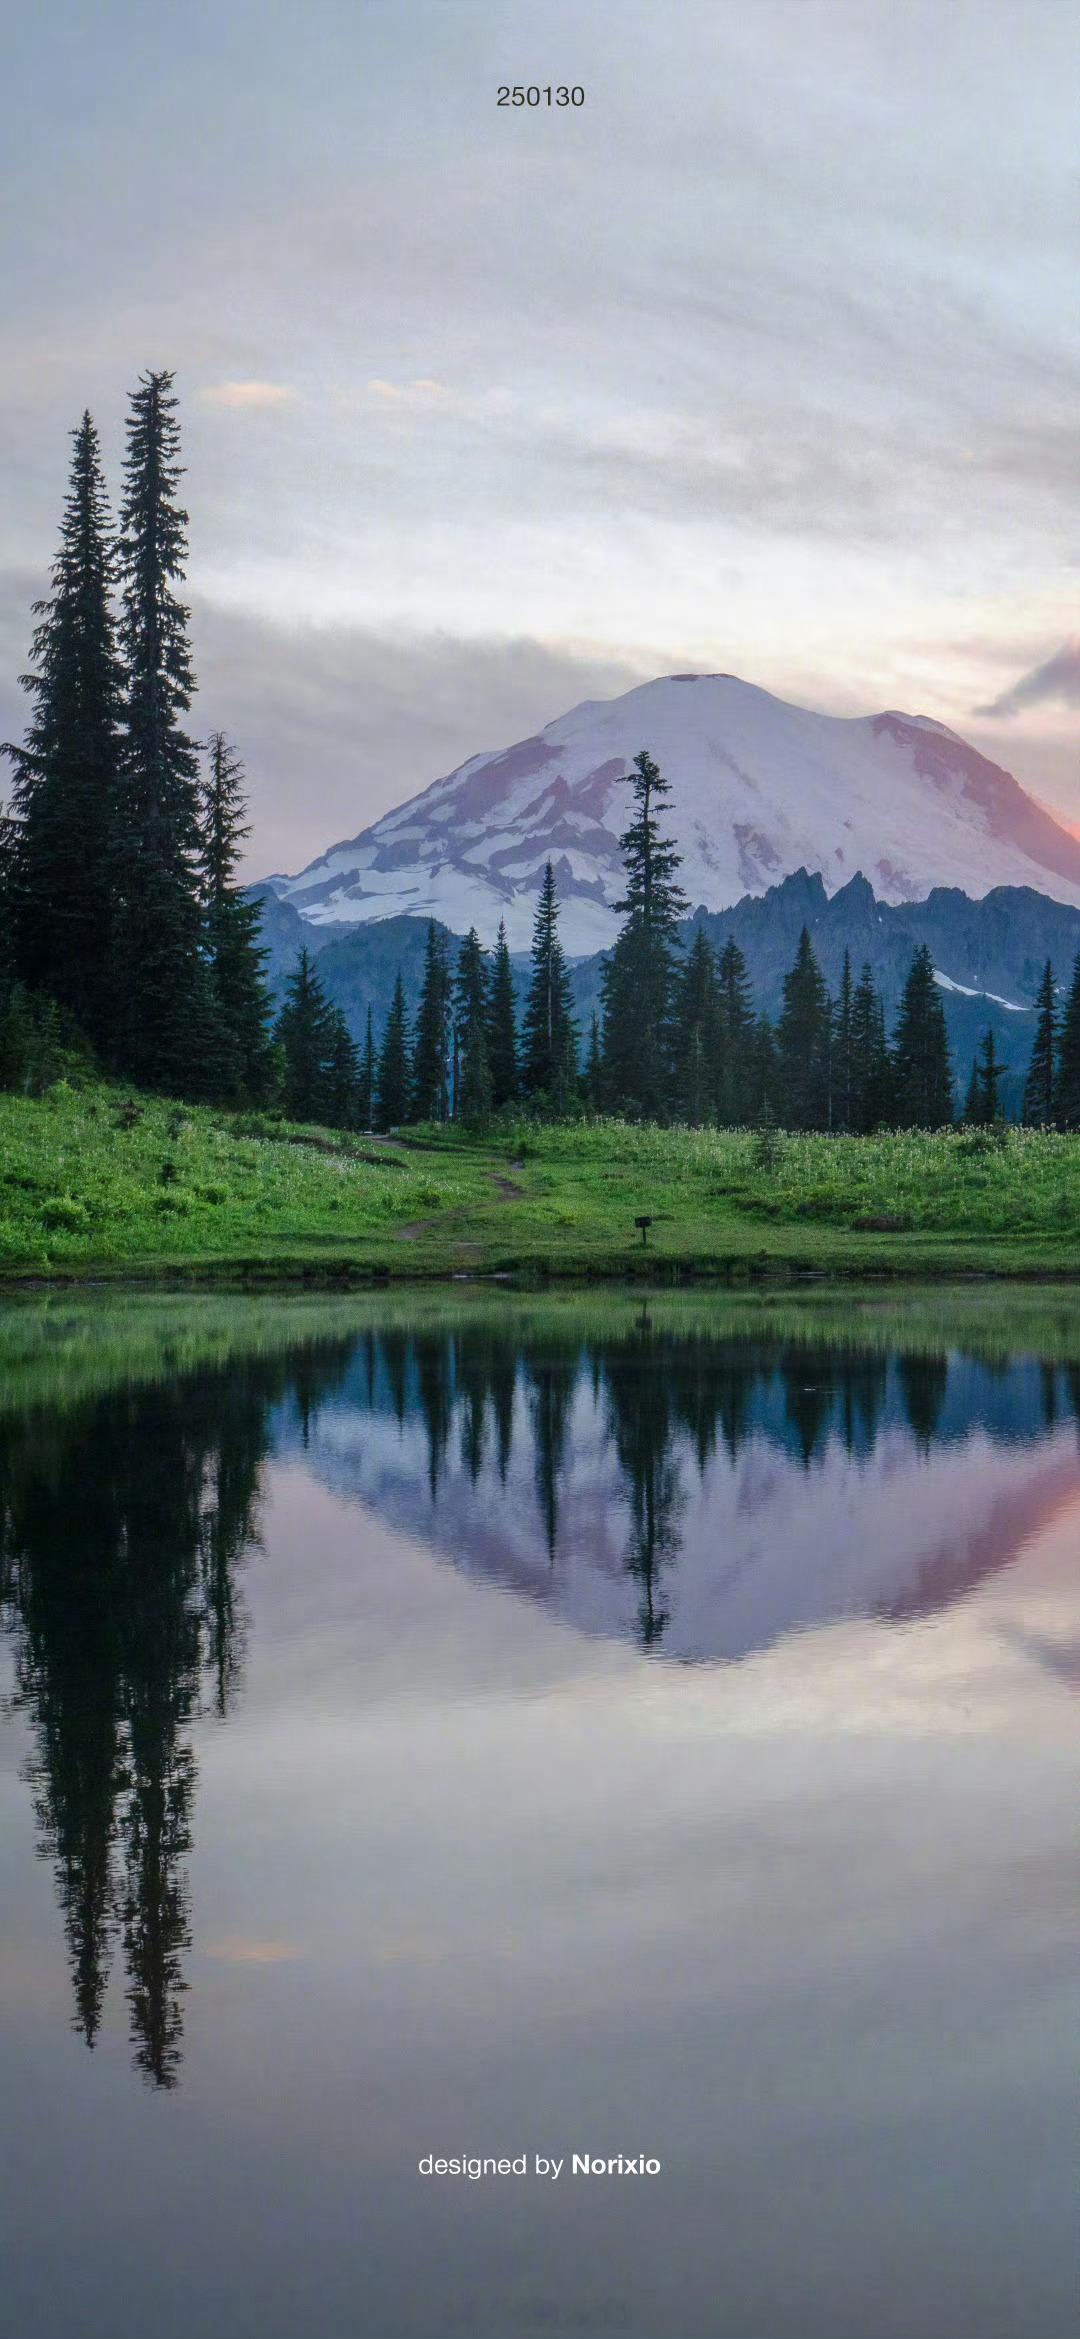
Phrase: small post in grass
(644, 1224)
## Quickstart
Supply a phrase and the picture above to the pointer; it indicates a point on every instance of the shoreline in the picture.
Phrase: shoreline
(736, 1276)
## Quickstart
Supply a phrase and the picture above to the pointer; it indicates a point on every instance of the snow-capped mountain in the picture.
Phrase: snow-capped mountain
(760, 789)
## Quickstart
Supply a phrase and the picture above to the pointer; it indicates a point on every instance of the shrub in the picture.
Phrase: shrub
(63, 1214)
(767, 1151)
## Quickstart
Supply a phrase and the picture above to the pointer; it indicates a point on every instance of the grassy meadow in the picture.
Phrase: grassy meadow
(98, 1181)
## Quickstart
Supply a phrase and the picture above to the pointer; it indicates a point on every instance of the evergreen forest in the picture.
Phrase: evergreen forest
(130, 946)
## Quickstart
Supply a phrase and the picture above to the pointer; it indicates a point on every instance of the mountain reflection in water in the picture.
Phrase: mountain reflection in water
(699, 1494)
(702, 1495)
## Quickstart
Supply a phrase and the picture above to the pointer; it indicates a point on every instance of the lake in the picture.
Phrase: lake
(489, 1726)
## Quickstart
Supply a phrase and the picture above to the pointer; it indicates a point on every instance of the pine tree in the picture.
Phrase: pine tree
(695, 1034)
(593, 1080)
(972, 1113)
(734, 1076)
(871, 1069)
(473, 1083)
(763, 1073)
(7, 902)
(843, 1051)
(431, 1054)
(394, 1087)
(802, 1041)
(305, 1034)
(66, 769)
(342, 1076)
(639, 975)
(921, 1063)
(989, 1074)
(1040, 1087)
(502, 1026)
(1068, 1057)
(164, 1029)
(549, 1041)
(232, 926)
(365, 1091)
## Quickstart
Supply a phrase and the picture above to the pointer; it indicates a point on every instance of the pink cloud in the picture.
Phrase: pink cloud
(245, 396)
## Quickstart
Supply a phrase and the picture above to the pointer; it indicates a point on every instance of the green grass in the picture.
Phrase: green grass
(95, 1181)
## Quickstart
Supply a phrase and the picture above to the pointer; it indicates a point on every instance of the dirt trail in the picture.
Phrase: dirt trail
(506, 1190)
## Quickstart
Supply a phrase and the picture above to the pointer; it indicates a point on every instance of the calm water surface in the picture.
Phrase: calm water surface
(518, 1728)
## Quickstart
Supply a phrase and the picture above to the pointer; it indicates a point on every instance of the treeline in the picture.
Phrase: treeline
(125, 934)
(124, 929)
(463, 1057)
(680, 1037)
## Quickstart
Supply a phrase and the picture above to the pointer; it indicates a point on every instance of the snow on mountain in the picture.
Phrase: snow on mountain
(965, 991)
(760, 788)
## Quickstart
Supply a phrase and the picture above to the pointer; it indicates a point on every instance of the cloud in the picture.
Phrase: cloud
(1058, 678)
(423, 392)
(245, 397)
(338, 723)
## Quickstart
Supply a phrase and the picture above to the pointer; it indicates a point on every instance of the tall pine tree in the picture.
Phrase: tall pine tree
(431, 1053)
(1068, 1057)
(473, 1083)
(871, 1067)
(922, 1066)
(342, 1073)
(232, 926)
(734, 1076)
(593, 1077)
(803, 1036)
(843, 1051)
(305, 1034)
(502, 1026)
(639, 975)
(394, 1086)
(65, 771)
(1040, 1087)
(7, 902)
(165, 1032)
(763, 1074)
(695, 1034)
(549, 1040)
(987, 1076)
(365, 1091)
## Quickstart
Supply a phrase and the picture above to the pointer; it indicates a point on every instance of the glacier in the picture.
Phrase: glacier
(760, 788)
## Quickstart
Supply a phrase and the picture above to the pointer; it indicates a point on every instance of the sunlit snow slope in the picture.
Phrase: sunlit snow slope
(760, 788)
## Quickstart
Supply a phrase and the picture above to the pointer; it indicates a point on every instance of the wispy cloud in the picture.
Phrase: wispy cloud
(1058, 678)
(422, 392)
(248, 396)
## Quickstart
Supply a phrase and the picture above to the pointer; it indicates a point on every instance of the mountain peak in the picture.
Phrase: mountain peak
(761, 789)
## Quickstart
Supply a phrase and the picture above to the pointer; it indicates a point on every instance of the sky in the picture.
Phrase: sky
(765, 359)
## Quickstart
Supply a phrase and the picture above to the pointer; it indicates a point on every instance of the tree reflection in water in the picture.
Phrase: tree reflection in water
(124, 1522)
(126, 1519)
